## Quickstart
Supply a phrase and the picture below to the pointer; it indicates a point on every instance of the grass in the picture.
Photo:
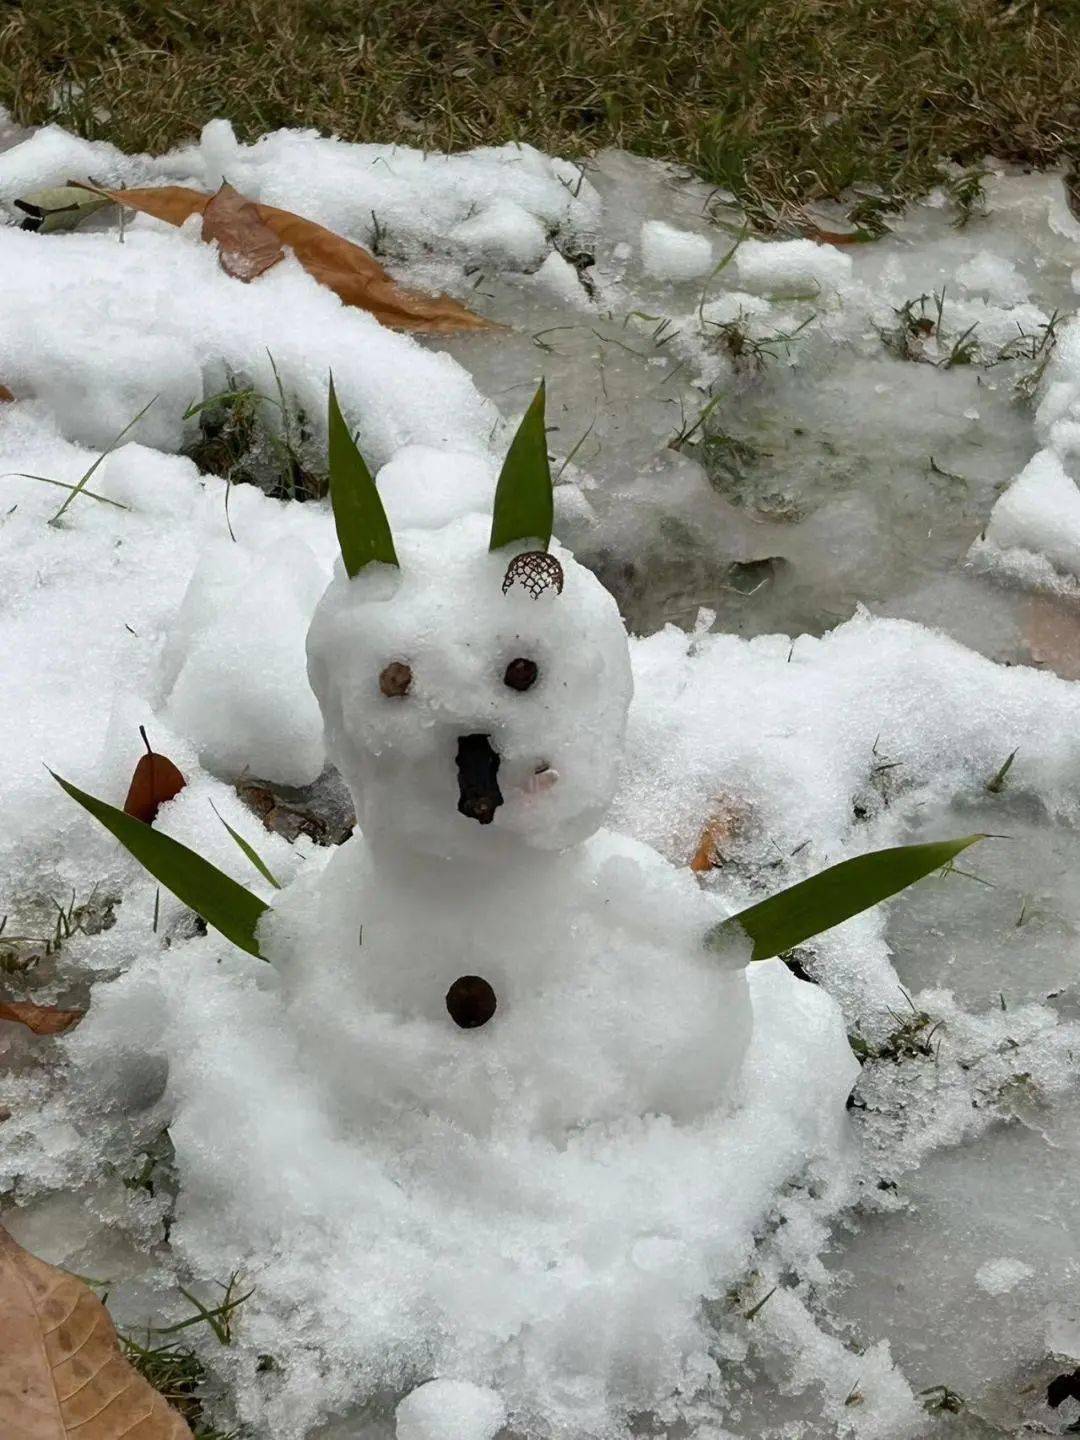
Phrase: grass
(922, 336)
(175, 1370)
(780, 101)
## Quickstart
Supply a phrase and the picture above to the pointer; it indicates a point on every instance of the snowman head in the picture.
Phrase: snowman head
(474, 684)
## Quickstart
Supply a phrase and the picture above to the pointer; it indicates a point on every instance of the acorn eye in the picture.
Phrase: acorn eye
(521, 674)
(395, 679)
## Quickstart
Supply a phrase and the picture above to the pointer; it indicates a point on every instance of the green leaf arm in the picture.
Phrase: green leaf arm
(806, 909)
(223, 903)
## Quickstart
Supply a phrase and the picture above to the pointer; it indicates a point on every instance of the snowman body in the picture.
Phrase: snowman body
(479, 725)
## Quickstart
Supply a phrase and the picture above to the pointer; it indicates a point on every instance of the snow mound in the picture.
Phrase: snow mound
(788, 267)
(668, 253)
(389, 1245)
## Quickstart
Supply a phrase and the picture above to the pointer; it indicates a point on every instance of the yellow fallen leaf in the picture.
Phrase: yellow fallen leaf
(62, 1376)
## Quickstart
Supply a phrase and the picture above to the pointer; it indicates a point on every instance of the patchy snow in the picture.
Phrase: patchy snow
(791, 266)
(998, 1277)
(591, 1212)
(668, 253)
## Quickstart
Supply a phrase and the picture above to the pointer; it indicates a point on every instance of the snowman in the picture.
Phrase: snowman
(502, 1108)
(546, 972)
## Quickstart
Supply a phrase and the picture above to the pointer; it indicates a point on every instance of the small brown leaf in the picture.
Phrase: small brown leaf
(248, 245)
(5, 395)
(62, 1376)
(41, 1019)
(156, 780)
(722, 826)
(353, 274)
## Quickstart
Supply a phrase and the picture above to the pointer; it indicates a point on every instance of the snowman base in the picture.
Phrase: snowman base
(564, 1276)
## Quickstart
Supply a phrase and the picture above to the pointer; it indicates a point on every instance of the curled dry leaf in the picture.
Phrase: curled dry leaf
(156, 780)
(353, 274)
(62, 207)
(41, 1019)
(6, 397)
(62, 1376)
(721, 828)
(248, 245)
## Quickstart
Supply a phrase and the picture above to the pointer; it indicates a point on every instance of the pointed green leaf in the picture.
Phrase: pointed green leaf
(249, 850)
(362, 527)
(524, 504)
(785, 920)
(222, 903)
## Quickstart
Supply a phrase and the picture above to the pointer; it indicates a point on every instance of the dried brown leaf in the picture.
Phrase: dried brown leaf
(358, 279)
(719, 829)
(41, 1019)
(62, 1376)
(156, 780)
(353, 274)
(248, 245)
(5, 395)
(172, 203)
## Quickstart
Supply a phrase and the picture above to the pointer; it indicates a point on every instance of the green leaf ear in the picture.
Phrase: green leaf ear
(362, 527)
(524, 506)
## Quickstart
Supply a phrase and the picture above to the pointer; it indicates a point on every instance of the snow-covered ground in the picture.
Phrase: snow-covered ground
(843, 525)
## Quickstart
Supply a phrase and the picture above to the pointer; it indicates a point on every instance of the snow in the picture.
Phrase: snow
(997, 277)
(450, 1410)
(635, 1197)
(503, 234)
(789, 266)
(998, 1277)
(237, 652)
(668, 253)
(1039, 517)
(561, 279)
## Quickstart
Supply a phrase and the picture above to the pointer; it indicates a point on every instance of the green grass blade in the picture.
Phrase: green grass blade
(220, 900)
(524, 502)
(90, 494)
(249, 850)
(81, 486)
(223, 397)
(997, 784)
(785, 920)
(362, 527)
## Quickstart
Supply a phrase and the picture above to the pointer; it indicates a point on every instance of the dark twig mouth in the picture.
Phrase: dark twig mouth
(479, 795)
